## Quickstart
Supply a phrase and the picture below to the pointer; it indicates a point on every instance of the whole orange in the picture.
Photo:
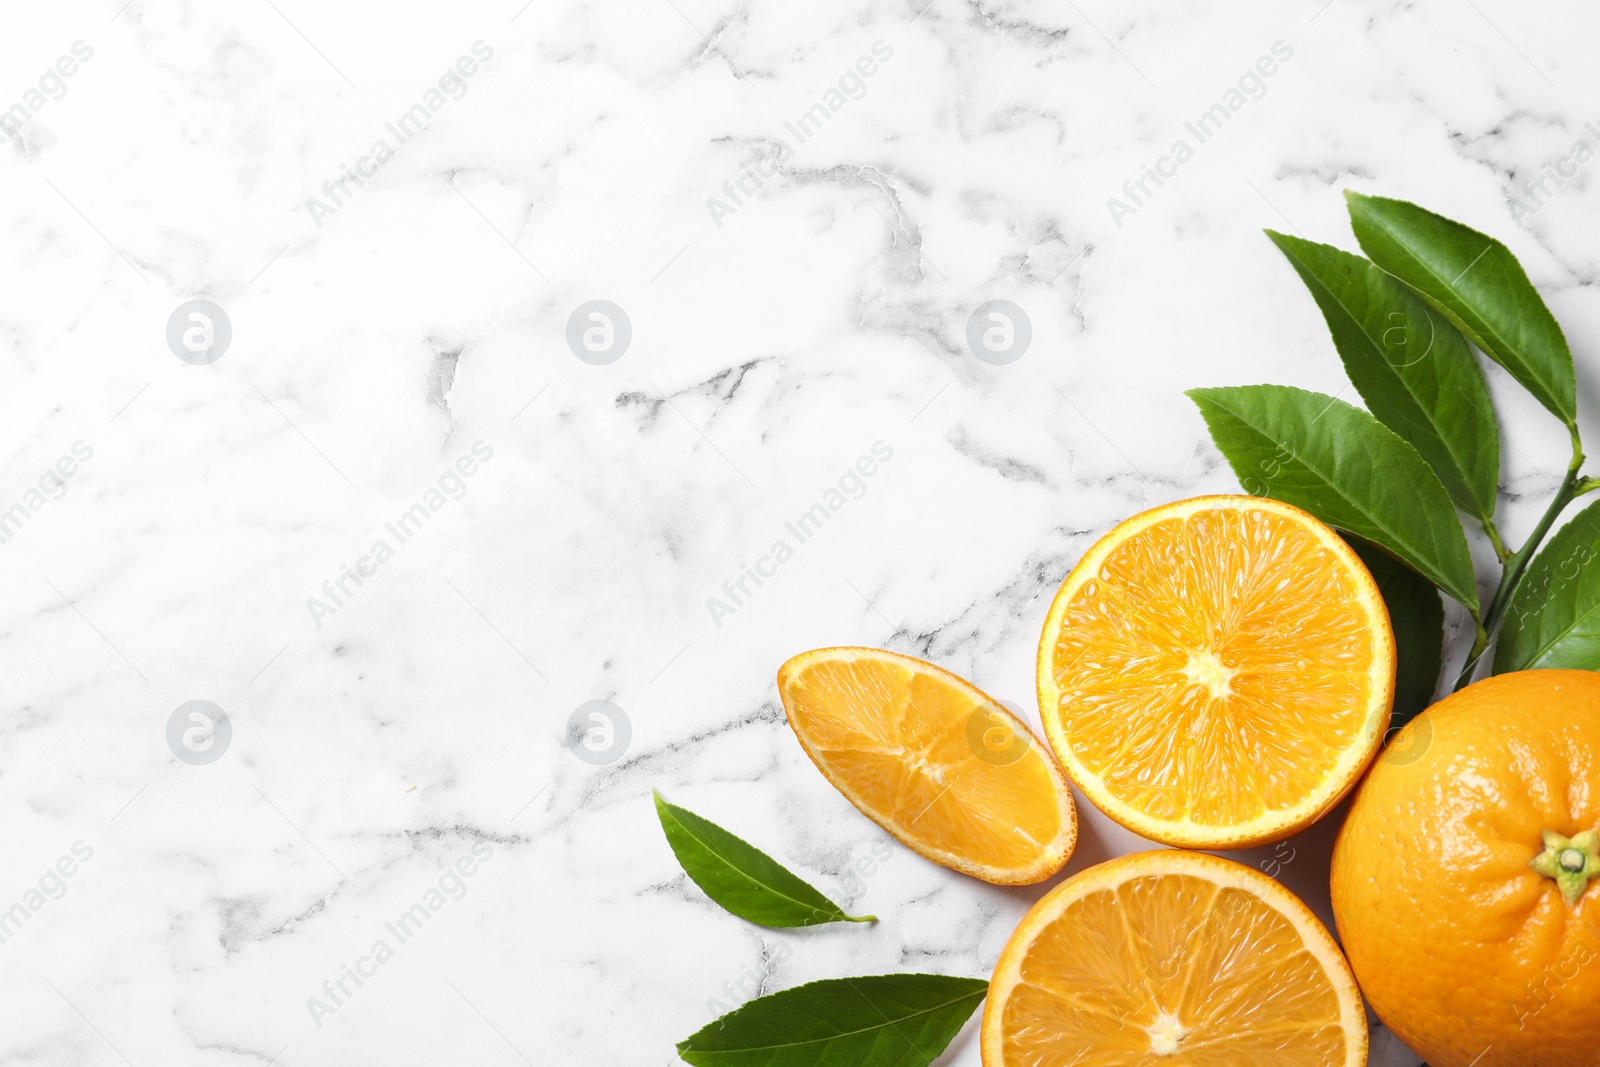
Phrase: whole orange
(1461, 878)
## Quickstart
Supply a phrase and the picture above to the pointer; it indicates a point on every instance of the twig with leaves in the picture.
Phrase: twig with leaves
(1395, 477)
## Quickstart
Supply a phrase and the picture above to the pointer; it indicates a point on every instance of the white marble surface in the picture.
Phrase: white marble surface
(378, 337)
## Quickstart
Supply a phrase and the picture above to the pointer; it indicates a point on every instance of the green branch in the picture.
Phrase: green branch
(1516, 565)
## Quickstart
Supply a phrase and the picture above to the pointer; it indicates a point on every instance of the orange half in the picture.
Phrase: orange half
(1172, 959)
(932, 759)
(1218, 672)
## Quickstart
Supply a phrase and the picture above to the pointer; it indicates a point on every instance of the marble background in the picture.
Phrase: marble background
(383, 330)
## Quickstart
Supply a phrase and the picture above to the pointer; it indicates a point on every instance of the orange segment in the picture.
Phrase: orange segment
(1172, 959)
(1217, 673)
(933, 760)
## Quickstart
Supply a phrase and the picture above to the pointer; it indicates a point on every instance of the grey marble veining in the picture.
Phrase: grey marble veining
(403, 527)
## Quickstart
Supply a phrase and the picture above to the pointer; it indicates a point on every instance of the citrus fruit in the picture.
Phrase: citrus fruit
(1172, 958)
(1217, 673)
(1461, 879)
(933, 760)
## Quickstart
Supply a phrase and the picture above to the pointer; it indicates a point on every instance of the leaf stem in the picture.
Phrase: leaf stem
(1500, 550)
(1479, 643)
(1516, 565)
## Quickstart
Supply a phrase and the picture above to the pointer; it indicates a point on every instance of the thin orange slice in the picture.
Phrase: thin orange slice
(1218, 672)
(933, 760)
(1172, 959)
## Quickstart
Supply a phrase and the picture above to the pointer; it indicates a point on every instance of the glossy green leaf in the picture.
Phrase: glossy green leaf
(1345, 467)
(1479, 285)
(742, 878)
(1410, 365)
(1554, 616)
(886, 1020)
(1417, 615)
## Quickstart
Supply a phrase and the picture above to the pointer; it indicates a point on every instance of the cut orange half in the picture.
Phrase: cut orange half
(933, 760)
(1217, 673)
(1172, 958)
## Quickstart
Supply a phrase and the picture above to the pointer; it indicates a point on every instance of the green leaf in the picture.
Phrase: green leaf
(1554, 616)
(742, 878)
(1417, 615)
(1345, 467)
(1410, 365)
(1479, 285)
(886, 1020)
